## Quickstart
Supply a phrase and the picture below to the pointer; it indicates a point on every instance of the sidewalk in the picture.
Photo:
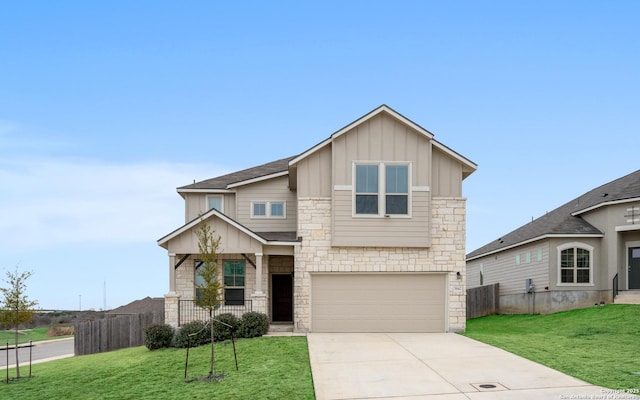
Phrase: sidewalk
(42, 351)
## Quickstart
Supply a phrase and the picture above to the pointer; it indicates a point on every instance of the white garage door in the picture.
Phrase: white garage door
(378, 302)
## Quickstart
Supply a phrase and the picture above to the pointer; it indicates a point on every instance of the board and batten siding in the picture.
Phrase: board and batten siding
(314, 174)
(503, 268)
(382, 139)
(446, 176)
(276, 189)
(233, 240)
(196, 204)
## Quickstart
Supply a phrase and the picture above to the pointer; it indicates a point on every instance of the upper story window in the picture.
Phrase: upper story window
(381, 187)
(215, 201)
(268, 209)
(575, 264)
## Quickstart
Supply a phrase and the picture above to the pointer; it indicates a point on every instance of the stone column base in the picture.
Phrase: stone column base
(259, 302)
(171, 309)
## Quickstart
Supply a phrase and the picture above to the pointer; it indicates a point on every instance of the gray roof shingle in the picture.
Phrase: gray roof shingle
(221, 182)
(566, 219)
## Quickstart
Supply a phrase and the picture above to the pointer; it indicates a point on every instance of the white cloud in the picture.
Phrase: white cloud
(47, 202)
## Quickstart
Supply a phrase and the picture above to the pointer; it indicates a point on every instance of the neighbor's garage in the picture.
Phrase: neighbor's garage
(378, 302)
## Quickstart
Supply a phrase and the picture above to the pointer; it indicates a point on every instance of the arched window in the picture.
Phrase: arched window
(575, 264)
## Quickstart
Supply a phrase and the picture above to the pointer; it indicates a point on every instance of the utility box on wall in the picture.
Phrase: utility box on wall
(528, 285)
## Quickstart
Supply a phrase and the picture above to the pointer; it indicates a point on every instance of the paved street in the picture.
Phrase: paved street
(41, 351)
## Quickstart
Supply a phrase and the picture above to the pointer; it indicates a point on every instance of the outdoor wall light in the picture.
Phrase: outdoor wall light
(458, 276)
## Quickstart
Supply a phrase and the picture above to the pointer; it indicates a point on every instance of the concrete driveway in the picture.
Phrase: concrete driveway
(443, 366)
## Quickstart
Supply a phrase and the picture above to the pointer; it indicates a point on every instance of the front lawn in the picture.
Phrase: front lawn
(25, 335)
(270, 368)
(599, 345)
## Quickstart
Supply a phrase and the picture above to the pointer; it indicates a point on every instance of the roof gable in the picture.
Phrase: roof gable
(284, 238)
(209, 214)
(566, 220)
(468, 166)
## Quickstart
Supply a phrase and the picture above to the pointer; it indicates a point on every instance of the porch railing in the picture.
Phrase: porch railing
(188, 311)
(615, 288)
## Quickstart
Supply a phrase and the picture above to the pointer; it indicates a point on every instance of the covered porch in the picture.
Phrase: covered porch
(255, 268)
(626, 281)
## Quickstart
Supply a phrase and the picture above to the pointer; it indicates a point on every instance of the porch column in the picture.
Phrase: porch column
(172, 272)
(172, 299)
(258, 297)
(258, 289)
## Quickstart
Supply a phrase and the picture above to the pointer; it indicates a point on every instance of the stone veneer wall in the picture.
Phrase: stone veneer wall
(446, 254)
(185, 286)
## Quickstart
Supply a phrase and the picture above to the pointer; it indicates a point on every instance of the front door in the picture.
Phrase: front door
(282, 297)
(634, 268)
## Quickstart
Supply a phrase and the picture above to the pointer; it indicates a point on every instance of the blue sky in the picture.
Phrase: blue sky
(107, 107)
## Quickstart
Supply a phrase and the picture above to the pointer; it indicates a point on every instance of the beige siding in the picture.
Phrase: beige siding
(599, 281)
(382, 139)
(193, 205)
(314, 174)
(276, 189)
(502, 268)
(383, 232)
(233, 240)
(612, 253)
(447, 175)
(196, 204)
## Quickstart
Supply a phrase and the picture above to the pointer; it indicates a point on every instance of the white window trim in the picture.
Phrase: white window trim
(577, 245)
(206, 202)
(382, 180)
(268, 209)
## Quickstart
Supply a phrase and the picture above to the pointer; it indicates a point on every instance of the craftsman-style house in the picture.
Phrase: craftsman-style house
(364, 232)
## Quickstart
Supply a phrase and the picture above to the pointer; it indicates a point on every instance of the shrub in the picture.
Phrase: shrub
(58, 330)
(222, 332)
(253, 324)
(158, 336)
(201, 331)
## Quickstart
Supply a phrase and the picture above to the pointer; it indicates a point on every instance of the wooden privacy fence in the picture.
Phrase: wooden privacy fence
(113, 333)
(483, 300)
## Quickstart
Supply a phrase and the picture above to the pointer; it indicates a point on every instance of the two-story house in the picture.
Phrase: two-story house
(582, 253)
(364, 232)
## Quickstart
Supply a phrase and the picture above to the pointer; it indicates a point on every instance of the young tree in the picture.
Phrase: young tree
(15, 307)
(210, 288)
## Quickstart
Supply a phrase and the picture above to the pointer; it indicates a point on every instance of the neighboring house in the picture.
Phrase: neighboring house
(364, 232)
(575, 256)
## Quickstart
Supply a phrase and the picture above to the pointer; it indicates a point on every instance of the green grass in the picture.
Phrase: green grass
(35, 335)
(600, 345)
(270, 368)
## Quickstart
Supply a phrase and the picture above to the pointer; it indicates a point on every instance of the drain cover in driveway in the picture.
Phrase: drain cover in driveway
(488, 386)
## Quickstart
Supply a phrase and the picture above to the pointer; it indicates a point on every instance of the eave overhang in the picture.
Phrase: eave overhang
(213, 212)
(535, 239)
